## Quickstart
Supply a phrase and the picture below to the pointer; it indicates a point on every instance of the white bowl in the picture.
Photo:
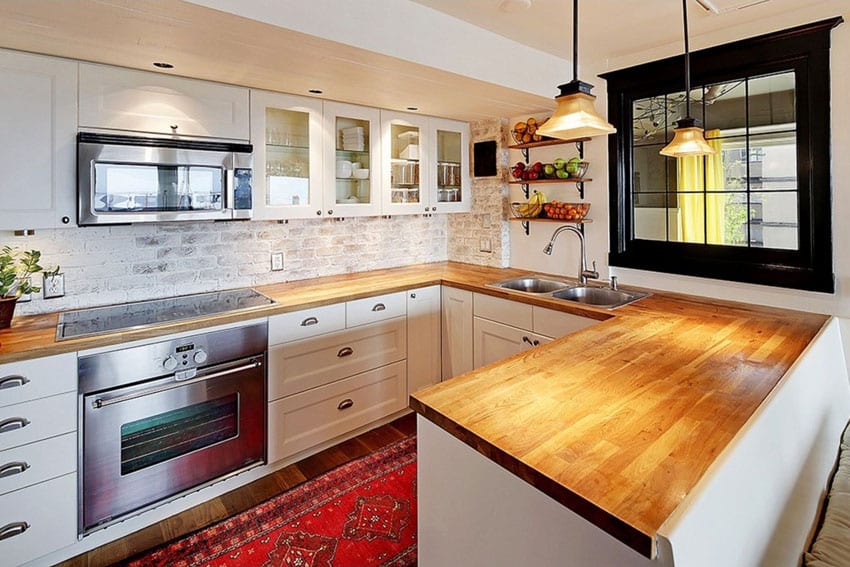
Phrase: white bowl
(361, 173)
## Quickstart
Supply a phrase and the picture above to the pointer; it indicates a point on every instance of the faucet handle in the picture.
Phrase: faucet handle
(592, 274)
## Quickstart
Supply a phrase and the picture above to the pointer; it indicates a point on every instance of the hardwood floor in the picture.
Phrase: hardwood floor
(243, 498)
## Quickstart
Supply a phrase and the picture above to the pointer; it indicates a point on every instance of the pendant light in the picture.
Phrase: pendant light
(689, 138)
(575, 117)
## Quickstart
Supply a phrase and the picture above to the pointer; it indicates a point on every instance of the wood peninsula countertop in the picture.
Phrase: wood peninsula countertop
(618, 421)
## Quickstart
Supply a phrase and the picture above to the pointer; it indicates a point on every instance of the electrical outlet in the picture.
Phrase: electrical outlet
(53, 286)
(277, 261)
(485, 245)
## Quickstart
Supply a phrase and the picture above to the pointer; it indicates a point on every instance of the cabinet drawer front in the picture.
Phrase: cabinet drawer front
(378, 308)
(310, 418)
(557, 323)
(37, 378)
(307, 323)
(48, 511)
(37, 420)
(30, 464)
(504, 311)
(298, 366)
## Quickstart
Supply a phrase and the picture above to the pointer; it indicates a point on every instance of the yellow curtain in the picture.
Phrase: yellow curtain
(701, 218)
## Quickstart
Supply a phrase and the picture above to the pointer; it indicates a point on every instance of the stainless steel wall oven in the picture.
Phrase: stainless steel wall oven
(162, 419)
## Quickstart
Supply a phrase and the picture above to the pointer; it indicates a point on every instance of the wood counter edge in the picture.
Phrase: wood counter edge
(639, 541)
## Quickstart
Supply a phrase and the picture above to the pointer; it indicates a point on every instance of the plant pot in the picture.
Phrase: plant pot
(7, 310)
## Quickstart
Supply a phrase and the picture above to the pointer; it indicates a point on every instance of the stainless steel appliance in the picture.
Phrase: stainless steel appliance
(111, 318)
(162, 419)
(130, 179)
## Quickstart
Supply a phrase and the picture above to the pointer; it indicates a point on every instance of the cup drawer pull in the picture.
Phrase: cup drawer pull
(379, 307)
(345, 404)
(13, 381)
(13, 423)
(13, 529)
(345, 351)
(10, 469)
(309, 321)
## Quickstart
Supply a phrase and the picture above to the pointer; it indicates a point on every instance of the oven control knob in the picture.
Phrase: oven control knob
(169, 363)
(200, 357)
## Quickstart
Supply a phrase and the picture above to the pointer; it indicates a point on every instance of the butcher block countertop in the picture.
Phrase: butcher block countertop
(617, 421)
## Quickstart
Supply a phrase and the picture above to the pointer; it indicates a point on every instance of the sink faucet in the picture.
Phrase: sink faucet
(583, 272)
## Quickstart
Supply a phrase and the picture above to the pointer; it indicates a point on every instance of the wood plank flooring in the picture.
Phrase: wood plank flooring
(244, 498)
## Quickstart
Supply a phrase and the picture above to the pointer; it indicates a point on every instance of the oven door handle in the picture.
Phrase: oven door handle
(103, 402)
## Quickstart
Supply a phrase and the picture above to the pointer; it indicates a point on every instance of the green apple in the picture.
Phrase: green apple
(573, 165)
(559, 163)
(562, 173)
(548, 169)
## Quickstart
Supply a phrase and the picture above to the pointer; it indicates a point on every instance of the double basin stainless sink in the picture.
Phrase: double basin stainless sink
(603, 297)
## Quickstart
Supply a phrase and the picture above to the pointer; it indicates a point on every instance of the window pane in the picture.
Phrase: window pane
(773, 162)
(734, 154)
(689, 225)
(725, 106)
(771, 100)
(650, 169)
(733, 218)
(774, 219)
(650, 215)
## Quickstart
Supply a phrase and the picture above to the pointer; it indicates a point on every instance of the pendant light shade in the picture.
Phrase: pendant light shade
(576, 116)
(688, 137)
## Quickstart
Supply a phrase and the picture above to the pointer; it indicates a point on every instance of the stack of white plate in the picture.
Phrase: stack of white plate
(353, 139)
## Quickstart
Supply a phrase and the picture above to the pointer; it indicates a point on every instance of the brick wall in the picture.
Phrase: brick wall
(104, 265)
(487, 218)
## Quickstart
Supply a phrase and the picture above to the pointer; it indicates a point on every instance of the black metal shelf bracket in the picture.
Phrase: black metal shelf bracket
(525, 154)
(580, 187)
(526, 225)
(525, 189)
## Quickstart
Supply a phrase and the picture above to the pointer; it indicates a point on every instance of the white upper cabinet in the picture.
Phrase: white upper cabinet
(405, 148)
(286, 131)
(38, 97)
(426, 164)
(450, 192)
(352, 160)
(116, 98)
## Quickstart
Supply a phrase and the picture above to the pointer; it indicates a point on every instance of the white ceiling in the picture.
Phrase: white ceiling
(234, 45)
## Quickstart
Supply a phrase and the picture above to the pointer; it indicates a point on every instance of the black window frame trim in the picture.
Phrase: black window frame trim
(805, 49)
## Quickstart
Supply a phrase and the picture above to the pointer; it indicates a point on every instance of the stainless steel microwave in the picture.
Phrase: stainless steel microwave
(130, 179)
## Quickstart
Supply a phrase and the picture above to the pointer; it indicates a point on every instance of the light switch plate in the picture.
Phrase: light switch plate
(277, 261)
(485, 245)
(53, 286)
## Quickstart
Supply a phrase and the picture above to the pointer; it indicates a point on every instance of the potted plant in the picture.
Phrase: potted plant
(16, 267)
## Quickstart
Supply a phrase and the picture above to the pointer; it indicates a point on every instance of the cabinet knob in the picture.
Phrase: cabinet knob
(330, 211)
(527, 340)
(66, 220)
(173, 127)
(433, 208)
(319, 212)
(412, 296)
(426, 209)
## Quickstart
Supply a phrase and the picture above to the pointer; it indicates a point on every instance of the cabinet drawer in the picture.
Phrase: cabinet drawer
(557, 323)
(41, 419)
(502, 310)
(301, 365)
(310, 418)
(37, 462)
(378, 308)
(47, 513)
(37, 378)
(306, 323)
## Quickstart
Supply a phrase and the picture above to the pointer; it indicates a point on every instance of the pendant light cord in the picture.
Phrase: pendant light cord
(575, 40)
(687, 61)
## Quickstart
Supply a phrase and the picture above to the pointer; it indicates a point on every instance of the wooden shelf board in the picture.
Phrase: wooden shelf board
(566, 180)
(545, 219)
(546, 143)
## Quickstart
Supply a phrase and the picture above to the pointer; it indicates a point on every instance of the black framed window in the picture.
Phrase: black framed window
(758, 210)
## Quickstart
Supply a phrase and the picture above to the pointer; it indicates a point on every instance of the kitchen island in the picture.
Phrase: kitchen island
(618, 430)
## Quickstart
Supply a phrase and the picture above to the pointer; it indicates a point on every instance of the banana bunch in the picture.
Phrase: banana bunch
(533, 207)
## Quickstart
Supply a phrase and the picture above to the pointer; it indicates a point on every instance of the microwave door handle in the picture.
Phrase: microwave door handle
(100, 402)
(229, 188)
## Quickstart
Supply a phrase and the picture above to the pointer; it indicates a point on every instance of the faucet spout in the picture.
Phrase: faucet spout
(583, 272)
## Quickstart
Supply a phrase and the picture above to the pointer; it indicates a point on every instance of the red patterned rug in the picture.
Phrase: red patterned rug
(362, 514)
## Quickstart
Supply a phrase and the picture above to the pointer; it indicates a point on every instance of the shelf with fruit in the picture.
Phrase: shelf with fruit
(559, 171)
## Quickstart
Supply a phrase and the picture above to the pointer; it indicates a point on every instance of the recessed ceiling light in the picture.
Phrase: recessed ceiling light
(412, 108)
(511, 6)
(315, 91)
(163, 65)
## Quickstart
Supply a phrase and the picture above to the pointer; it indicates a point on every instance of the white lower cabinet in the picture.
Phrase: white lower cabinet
(423, 338)
(456, 332)
(309, 418)
(38, 520)
(495, 341)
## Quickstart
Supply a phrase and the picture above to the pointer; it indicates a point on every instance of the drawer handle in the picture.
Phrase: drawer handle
(345, 404)
(345, 351)
(13, 529)
(527, 340)
(535, 342)
(379, 307)
(13, 381)
(13, 423)
(10, 469)
(309, 321)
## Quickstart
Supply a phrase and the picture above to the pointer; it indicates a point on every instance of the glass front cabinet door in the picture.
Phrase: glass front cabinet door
(450, 166)
(286, 132)
(405, 149)
(352, 160)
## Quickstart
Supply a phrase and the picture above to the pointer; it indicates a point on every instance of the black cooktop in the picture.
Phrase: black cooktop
(111, 318)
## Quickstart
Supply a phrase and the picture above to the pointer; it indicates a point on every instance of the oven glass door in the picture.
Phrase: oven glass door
(147, 442)
(130, 187)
